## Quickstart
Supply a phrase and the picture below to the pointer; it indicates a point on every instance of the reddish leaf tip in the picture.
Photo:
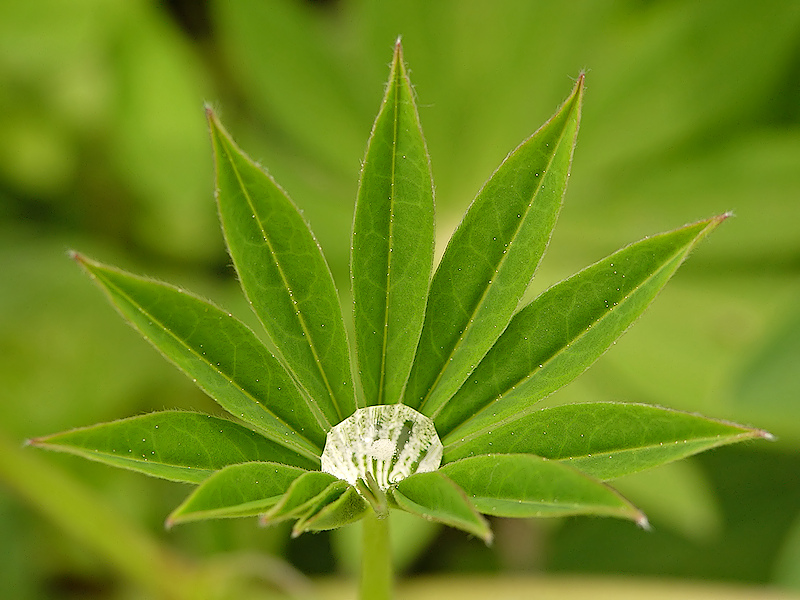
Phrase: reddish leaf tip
(76, 256)
(643, 522)
(766, 435)
(724, 216)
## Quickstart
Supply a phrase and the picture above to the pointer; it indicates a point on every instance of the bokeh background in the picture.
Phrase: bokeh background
(692, 109)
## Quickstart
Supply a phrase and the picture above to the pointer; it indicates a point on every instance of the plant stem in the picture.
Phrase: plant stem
(376, 560)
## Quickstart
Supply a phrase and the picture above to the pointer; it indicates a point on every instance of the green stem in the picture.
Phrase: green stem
(376, 560)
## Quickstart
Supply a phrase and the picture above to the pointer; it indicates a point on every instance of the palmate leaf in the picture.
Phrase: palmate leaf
(523, 485)
(285, 277)
(221, 355)
(176, 445)
(558, 335)
(606, 440)
(392, 252)
(491, 258)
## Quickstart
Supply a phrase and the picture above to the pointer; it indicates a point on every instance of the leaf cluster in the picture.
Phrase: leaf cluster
(456, 344)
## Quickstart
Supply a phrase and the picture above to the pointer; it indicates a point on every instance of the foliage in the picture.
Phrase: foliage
(454, 347)
(104, 150)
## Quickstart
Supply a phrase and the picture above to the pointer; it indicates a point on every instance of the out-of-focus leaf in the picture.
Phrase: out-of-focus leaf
(677, 496)
(392, 243)
(298, 83)
(82, 516)
(523, 485)
(218, 352)
(285, 277)
(491, 258)
(158, 143)
(605, 440)
(241, 490)
(558, 335)
(177, 445)
(346, 509)
(770, 381)
(434, 496)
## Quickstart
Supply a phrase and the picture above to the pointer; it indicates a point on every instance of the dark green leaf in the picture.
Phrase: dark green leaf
(182, 446)
(435, 497)
(348, 508)
(522, 485)
(558, 335)
(219, 353)
(285, 277)
(605, 440)
(392, 243)
(312, 489)
(242, 490)
(491, 258)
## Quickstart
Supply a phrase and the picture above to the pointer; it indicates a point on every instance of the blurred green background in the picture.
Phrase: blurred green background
(692, 109)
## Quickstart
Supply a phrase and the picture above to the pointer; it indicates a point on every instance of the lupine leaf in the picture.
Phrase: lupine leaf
(285, 277)
(242, 490)
(219, 353)
(523, 485)
(606, 440)
(433, 496)
(348, 508)
(558, 335)
(176, 445)
(305, 492)
(491, 258)
(392, 243)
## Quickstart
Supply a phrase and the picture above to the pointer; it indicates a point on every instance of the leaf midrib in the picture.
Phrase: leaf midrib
(299, 449)
(486, 289)
(389, 254)
(720, 437)
(326, 425)
(555, 355)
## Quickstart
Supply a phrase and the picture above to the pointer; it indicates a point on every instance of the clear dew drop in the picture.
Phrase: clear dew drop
(388, 442)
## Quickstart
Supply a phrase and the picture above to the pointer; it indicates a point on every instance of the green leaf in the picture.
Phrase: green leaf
(348, 508)
(605, 439)
(242, 490)
(221, 355)
(491, 258)
(523, 485)
(557, 336)
(435, 497)
(284, 275)
(309, 490)
(392, 243)
(176, 445)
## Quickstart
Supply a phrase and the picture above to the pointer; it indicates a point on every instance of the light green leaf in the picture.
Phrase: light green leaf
(309, 490)
(522, 485)
(176, 445)
(284, 275)
(605, 439)
(242, 490)
(491, 258)
(435, 497)
(558, 335)
(221, 355)
(392, 243)
(348, 508)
